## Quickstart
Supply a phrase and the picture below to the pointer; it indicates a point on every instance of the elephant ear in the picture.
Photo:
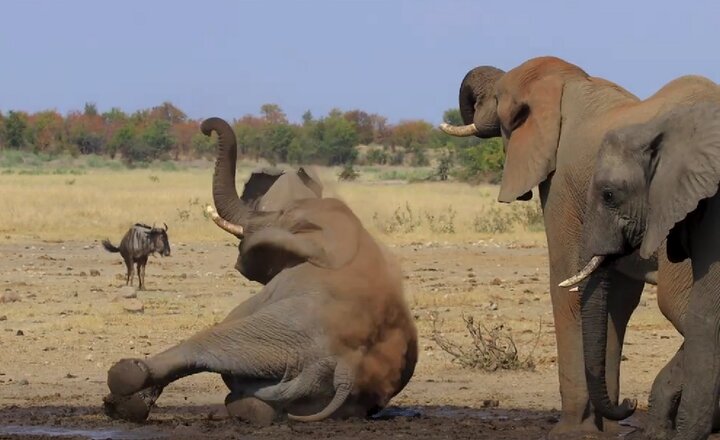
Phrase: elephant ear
(259, 183)
(323, 232)
(531, 125)
(311, 180)
(684, 169)
(271, 189)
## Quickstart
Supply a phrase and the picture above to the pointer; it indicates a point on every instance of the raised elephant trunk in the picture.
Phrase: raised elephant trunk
(594, 314)
(225, 196)
(478, 107)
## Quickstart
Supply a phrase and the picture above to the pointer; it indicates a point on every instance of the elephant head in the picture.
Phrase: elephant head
(648, 179)
(279, 216)
(524, 107)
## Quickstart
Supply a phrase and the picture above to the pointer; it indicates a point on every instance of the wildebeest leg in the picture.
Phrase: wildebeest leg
(237, 348)
(134, 408)
(141, 272)
(129, 265)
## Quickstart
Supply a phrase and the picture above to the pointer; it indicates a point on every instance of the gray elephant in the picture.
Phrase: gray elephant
(329, 334)
(552, 117)
(654, 182)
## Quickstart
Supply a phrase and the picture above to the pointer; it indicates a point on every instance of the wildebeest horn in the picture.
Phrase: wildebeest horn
(459, 130)
(166, 228)
(225, 225)
(589, 268)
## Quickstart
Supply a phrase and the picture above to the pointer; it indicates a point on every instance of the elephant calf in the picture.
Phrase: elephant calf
(328, 335)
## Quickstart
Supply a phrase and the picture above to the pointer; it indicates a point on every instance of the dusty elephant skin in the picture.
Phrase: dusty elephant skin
(552, 117)
(328, 335)
(656, 181)
(138, 243)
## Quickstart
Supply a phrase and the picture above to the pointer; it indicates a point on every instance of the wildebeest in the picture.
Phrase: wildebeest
(138, 243)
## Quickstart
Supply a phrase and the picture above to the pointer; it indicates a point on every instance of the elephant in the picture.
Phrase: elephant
(653, 182)
(552, 117)
(329, 335)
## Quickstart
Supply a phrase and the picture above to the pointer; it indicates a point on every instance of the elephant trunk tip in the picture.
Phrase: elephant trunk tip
(622, 411)
(208, 125)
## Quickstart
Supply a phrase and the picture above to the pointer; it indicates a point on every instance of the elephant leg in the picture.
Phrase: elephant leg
(702, 362)
(577, 414)
(250, 409)
(665, 398)
(238, 348)
(133, 408)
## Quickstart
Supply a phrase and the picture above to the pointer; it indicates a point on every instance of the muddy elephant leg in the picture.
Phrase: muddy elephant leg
(701, 384)
(250, 409)
(665, 398)
(235, 348)
(134, 408)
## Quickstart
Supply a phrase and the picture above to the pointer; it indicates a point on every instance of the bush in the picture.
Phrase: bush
(489, 350)
(482, 163)
(348, 173)
(377, 156)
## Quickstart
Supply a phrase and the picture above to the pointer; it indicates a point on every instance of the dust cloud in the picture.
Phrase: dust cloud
(368, 322)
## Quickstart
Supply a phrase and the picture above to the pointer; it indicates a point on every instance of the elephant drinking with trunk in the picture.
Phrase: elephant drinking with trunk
(552, 117)
(653, 182)
(328, 335)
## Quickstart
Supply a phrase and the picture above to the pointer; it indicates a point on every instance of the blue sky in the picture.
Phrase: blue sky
(402, 59)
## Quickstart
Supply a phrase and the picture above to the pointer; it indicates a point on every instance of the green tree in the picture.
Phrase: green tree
(452, 116)
(204, 145)
(115, 115)
(277, 139)
(338, 140)
(15, 130)
(273, 114)
(90, 109)
(483, 162)
(124, 141)
(157, 139)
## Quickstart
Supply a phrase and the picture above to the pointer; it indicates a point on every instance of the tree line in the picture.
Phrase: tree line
(166, 132)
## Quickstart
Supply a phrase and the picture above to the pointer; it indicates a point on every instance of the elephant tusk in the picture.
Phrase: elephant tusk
(459, 130)
(589, 268)
(225, 225)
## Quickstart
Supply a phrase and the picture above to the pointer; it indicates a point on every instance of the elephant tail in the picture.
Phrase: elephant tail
(344, 380)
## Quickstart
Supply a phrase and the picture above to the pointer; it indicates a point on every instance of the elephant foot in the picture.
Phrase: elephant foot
(132, 408)
(250, 409)
(128, 376)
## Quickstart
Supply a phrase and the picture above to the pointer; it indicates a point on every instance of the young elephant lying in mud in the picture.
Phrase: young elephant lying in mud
(328, 335)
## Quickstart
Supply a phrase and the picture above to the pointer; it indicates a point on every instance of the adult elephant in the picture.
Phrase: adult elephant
(552, 117)
(329, 335)
(656, 181)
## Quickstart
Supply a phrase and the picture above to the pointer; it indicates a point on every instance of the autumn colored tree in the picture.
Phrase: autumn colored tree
(85, 132)
(46, 131)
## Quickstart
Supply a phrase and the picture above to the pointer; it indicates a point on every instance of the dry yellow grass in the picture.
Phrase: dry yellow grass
(104, 203)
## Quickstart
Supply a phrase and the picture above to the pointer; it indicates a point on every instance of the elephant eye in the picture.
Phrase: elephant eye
(608, 196)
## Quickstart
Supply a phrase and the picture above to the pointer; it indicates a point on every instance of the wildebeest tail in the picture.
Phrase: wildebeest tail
(109, 247)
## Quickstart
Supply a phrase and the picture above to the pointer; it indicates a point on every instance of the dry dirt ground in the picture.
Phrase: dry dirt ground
(63, 323)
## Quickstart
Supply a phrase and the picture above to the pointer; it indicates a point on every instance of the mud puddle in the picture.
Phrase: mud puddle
(92, 434)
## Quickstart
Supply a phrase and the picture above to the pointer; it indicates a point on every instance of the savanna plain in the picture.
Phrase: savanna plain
(475, 278)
